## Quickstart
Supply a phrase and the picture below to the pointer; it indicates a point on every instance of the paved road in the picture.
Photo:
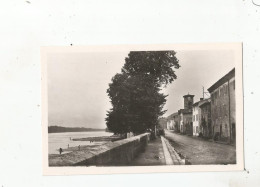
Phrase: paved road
(198, 151)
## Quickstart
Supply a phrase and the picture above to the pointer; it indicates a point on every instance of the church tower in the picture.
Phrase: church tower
(188, 101)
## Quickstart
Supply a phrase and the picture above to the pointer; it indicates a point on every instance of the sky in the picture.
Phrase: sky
(77, 83)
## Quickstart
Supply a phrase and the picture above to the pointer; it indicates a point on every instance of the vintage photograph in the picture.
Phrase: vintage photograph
(178, 107)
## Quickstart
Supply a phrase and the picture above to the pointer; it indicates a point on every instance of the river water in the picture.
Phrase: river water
(62, 140)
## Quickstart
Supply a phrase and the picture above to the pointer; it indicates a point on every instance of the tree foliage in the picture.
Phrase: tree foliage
(135, 94)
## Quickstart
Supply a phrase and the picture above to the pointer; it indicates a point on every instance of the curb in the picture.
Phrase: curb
(167, 155)
(171, 156)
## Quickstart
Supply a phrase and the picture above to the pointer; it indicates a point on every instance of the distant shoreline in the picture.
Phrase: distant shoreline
(60, 129)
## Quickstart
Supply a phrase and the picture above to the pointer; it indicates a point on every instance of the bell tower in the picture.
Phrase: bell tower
(188, 101)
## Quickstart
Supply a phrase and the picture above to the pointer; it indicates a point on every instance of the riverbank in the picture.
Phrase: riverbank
(115, 153)
(89, 148)
(93, 143)
(65, 140)
(100, 138)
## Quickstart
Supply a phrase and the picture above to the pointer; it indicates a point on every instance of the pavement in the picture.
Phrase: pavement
(197, 151)
(152, 156)
(158, 152)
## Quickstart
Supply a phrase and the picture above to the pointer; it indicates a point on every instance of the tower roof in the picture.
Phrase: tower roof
(188, 95)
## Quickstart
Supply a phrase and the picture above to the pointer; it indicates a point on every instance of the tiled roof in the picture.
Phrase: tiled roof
(205, 101)
(188, 95)
(185, 111)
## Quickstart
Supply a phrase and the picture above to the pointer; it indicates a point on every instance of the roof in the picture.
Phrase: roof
(205, 101)
(195, 104)
(188, 95)
(172, 115)
(184, 111)
(221, 81)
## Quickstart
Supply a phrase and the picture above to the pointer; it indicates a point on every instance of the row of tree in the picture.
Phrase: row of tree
(137, 102)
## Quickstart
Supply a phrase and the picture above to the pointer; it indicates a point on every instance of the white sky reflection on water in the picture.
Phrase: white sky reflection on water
(61, 140)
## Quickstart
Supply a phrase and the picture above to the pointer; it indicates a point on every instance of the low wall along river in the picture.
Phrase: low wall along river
(116, 153)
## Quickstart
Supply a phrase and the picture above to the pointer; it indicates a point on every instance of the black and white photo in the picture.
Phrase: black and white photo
(153, 107)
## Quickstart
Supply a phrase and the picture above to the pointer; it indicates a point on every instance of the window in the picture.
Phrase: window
(234, 85)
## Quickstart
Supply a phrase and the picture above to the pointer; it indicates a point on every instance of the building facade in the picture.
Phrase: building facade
(185, 115)
(162, 123)
(205, 118)
(170, 122)
(223, 108)
(173, 122)
(196, 118)
(176, 120)
(185, 121)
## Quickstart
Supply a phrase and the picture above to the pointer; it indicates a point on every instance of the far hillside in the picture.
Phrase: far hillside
(57, 129)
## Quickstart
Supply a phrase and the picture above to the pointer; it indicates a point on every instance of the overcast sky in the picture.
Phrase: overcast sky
(77, 83)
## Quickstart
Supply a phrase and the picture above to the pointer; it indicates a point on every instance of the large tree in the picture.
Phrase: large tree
(135, 94)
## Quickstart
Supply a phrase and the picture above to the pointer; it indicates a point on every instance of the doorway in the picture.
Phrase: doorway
(220, 131)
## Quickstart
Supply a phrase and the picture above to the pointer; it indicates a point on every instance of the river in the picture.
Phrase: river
(62, 140)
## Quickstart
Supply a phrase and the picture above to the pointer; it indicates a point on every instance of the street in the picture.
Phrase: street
(198, 151)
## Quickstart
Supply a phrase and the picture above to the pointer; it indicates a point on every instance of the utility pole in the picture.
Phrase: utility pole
(203, 92)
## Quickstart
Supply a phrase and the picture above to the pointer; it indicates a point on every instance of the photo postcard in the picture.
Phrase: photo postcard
(142, 108)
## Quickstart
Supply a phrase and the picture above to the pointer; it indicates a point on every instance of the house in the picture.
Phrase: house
(201, 118)
(196, 118)
(185, 121)
(162, 123)
(170, 122)
(176, 120)
(223, 108)
(205, 118)
(185, 115)
(173, 122)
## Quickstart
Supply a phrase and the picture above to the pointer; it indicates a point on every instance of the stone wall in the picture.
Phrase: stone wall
(116, 153)
(223, 110)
